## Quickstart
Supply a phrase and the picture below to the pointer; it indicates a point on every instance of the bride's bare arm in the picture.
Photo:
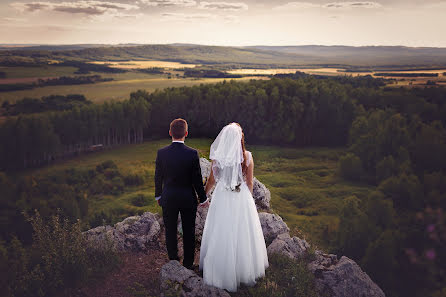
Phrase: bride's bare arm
(210, 182)
(250, 175)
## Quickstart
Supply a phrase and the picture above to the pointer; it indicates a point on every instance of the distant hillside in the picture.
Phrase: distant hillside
(366, 55)
(255, 56)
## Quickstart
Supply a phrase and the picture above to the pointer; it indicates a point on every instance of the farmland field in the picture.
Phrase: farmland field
(306, 190)
(39, 72)
(125, 83)
(119, 89)
(144, 64)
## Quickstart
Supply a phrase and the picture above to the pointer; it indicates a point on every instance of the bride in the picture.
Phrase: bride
(233, 249)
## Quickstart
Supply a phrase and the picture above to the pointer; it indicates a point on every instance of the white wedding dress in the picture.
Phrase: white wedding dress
(233, 248)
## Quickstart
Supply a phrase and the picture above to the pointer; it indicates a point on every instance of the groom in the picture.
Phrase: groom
(178, 181)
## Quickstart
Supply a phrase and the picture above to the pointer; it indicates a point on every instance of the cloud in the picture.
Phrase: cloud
(171, 16)
(331, 5)
(167, 3)
(231, 6)
(296, 5)
(343, 5)
(88, 7)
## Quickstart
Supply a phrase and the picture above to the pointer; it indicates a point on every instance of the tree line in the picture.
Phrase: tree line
(414, 74)
(35, 140)
(63, 80)
(46, 103)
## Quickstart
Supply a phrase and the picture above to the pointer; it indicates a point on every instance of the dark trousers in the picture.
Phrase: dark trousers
(170, 217)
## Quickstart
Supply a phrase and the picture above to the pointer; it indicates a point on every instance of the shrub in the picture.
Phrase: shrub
(111, 173)
(100, 219)
(350, 167)
(59, 259)
(134, 179)
(117, 185)
(105, 165)
(97, 186)
(140, 200)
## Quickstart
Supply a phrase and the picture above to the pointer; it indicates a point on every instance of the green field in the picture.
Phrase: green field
(119, 89)
(306, 190)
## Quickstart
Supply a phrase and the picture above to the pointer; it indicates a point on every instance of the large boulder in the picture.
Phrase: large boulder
(262, 195)
(292, 247)
(180, 281)
(272, 226)
(342, 278)
(136, 233)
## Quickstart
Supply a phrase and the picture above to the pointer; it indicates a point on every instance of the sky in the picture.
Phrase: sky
(419, 23)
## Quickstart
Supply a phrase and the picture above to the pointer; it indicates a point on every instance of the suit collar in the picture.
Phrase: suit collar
(178, 141)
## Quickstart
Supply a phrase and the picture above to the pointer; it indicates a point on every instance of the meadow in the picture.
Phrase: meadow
(305, 186)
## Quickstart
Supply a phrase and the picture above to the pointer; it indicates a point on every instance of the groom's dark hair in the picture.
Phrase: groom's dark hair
(178, 128)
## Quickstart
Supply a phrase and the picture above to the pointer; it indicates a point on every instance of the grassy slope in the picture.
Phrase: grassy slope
(306, 190)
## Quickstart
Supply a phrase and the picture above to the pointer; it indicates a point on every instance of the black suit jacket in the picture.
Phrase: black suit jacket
(178, 178)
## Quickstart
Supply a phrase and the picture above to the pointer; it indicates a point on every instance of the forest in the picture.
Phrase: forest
(395, 139)
(47, 103)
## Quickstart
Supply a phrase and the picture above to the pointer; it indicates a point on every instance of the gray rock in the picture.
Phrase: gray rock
(175, 277)
(135, 233)
(200, 219)
(205, 165)
(272, 226)
(293, 248)
(343, 278)
(262, 195)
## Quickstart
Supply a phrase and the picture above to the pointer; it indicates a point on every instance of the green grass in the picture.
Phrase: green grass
(306, 189)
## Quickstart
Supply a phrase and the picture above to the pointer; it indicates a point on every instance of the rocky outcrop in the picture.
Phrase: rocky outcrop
(272, 226)
(334, 278)
(136, 233)
(343, 278)
(181, 281)
(292, 247)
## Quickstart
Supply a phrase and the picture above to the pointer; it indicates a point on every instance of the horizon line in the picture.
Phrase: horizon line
(199, 44)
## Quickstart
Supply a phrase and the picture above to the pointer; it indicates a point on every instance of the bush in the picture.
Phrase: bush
(140, 200)
(350, 167)
(59, 259)
(106, 165)
(405, 190)
(117, 186)
(134, 179)
(111, 173)
(100, 219)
